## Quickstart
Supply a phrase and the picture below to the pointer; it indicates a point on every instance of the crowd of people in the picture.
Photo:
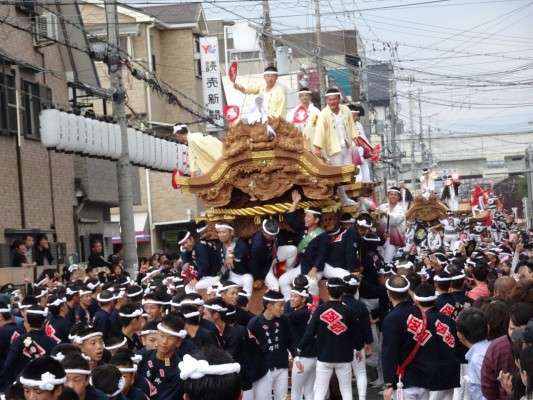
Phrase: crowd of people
(455, 305)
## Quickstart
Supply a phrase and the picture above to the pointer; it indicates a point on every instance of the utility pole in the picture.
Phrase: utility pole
(125, 192)
(318, 55)
(267, 28)
(392, 110)
(528, 205)
(420, 131)
(412, 137)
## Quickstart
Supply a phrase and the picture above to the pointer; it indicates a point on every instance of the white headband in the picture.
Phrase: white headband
(137, 313)
(5, 310)
(272, 299)
(309, 210)
(407, 265)
(71, 292)
(347, 221)
(149, 275)
(441, 279)
(104, 300)
(363, 223)
(200, 230)
(187, 236)
(48, 381)
(267, 231)
(333, 94)
(150, 301)
(398, 290)
(231, 312)
(303, 293)
(116, 346)
(181, 334)
(57, 302)
(179, 128)
(195, 302)
(224, 226)
(84, 292)
(393, 191)
(191, 368)
(132, 369)
(223, 288)
(304, 91)
(270, 73)
(120, 385)
(353, 282)
(457, 277)
(81, 339)
(73, 267)
(41, 282)
(44, 292)
(77, 371)
(192, 314)
(426, 299)
(216, 307)
(44, 312)
(334, 285)
(212, 289)
(135, 294)
(93, 286)
(149, 332)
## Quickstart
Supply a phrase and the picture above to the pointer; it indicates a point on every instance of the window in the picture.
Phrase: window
(197, 60)
(8, 105)
(33, 98)
(36, 97)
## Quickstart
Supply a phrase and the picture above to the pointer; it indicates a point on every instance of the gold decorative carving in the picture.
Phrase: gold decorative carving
(218, 173)
(310, 167)
(262, 154)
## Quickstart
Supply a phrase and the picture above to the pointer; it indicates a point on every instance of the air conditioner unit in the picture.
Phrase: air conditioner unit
(46, 31)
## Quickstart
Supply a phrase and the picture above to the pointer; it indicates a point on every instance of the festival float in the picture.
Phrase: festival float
(261, 164)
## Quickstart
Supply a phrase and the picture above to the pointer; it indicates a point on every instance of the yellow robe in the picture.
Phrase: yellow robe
(277, 104)
(204, 151)
(326, 136)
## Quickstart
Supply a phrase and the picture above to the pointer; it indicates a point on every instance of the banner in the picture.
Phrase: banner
(211, 80)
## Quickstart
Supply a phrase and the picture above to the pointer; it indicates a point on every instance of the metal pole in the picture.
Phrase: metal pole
(125, 192)
(319, 58)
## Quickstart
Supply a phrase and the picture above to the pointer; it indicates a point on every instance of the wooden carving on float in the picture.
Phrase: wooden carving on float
(260, 167)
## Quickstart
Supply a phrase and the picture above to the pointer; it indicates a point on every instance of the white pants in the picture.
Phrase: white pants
(261, 389)
(343, 157)
(359, 370)
(364, 171)
(333, 272)
(462, 392)
(323, 375)
(279, 383)
(246, 281)
(389, 251)
(203, 283)
(449, 240)
(285, 282)
(453, 203)
(287, 254)
(441, 394)
(302, 383)
(413, 393)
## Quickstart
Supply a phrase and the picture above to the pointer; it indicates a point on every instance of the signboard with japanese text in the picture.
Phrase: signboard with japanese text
(212, 80)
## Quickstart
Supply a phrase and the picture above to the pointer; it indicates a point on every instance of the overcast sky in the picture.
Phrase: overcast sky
(472, 59)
